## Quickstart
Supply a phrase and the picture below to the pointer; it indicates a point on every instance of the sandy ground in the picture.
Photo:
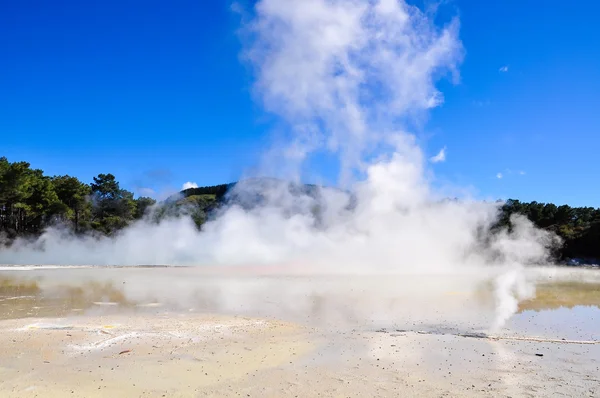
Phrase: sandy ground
(113, 349)
(195, 356)
(154, 356)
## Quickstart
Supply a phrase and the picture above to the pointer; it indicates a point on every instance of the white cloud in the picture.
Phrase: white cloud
(440, 157)
(499, 176)
(504, 69)
(189, 185)
(511, 172)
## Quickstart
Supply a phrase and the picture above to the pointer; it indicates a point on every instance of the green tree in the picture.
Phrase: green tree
(113, 208)
(14, 189)
(42, 202)
(28, 201)
(75, 195)
(142, 205)
(564, 215)
(548, 215)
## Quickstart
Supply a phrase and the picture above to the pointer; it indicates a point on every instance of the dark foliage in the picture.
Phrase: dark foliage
(579, 227)
(218, 190)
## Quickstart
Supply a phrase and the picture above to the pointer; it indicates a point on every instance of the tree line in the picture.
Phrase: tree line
(31, 201)
(579, 227)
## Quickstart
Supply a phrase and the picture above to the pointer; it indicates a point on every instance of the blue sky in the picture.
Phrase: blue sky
(155, 93)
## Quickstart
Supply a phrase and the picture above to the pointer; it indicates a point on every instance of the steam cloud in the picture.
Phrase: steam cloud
(348, 77)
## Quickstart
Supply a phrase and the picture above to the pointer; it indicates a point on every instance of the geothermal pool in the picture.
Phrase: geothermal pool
(173, 331)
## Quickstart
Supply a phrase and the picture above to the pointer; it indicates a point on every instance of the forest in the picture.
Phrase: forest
(31, 201)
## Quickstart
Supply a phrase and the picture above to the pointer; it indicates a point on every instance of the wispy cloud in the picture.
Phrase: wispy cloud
(504, 69)
(509, 172)
(144, 191)
(189, 185)
(236, 7)
(517, 172)
(479, 103)
(440, 157)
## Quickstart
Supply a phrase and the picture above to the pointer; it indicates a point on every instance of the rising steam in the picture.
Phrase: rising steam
(349, 77)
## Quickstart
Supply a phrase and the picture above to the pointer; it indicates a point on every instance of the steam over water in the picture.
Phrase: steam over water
(349, 77)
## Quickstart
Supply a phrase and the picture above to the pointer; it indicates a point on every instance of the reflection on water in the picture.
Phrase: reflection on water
(21, 297)
(568, 310)
(563, 294)
(563, 307)
(577, 322)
